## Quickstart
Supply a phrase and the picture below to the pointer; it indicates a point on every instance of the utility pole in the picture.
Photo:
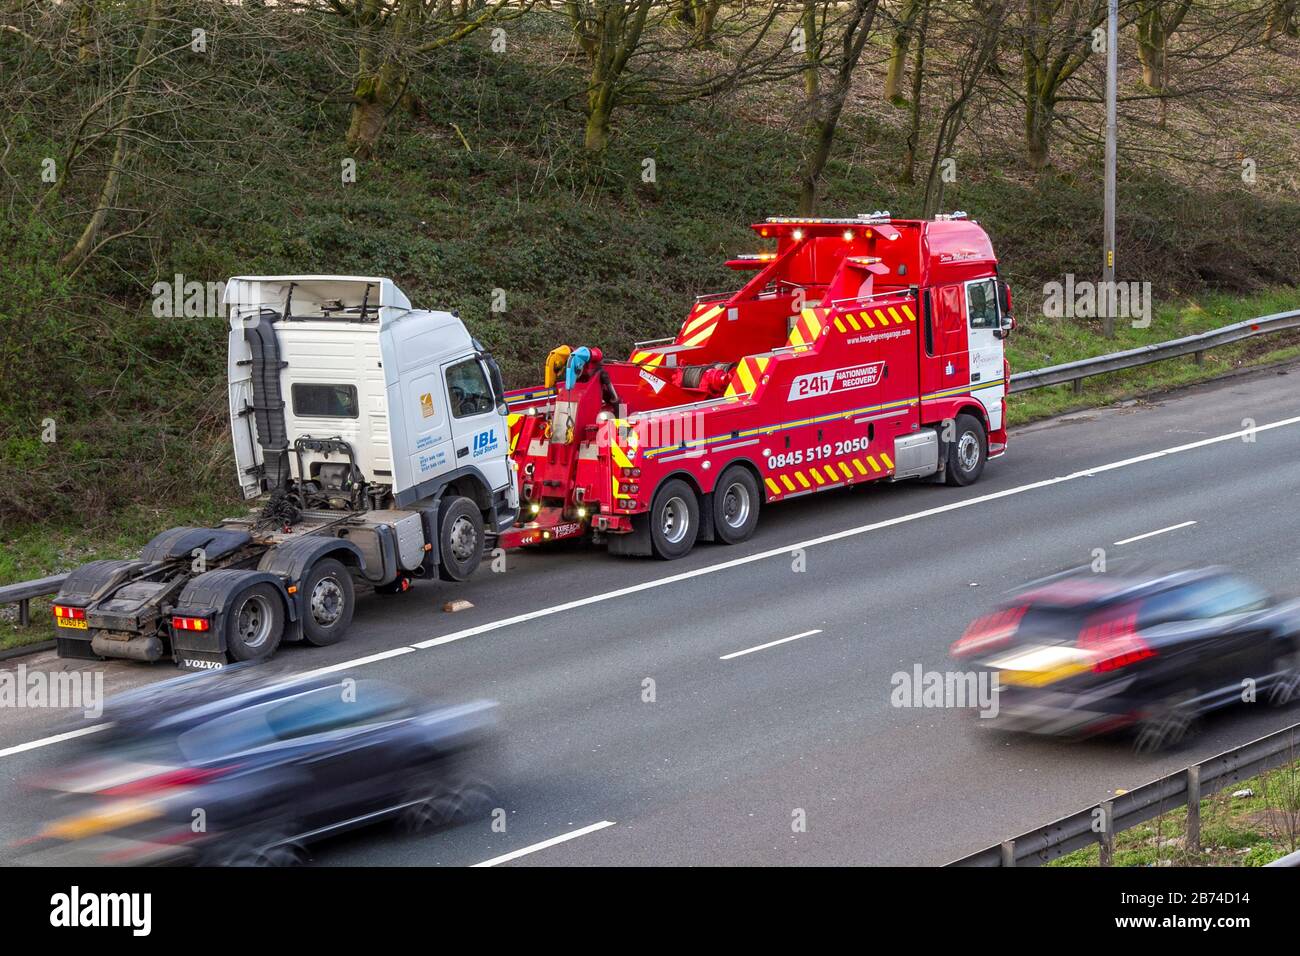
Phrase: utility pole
(1112, 69)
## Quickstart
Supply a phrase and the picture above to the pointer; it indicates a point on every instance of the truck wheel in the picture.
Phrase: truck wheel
(735, 505)
(967, 452)
(460, 533)
(328, 601)
(254, 623)
(674, 519)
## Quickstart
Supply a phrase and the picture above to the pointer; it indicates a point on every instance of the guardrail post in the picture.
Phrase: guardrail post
(1107, 852)
(1077, 385)
(1193, 839)
(24, 612)
(1199, 357)
(1008, 852)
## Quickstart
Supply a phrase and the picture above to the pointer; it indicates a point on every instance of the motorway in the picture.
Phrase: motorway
(736, 748)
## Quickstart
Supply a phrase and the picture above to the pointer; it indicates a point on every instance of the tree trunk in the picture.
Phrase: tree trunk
(1281, 19)
(86, 242)
(1152, 43)
(823, 137)
(373, 95)
(898, 52)
(1038, 130)
(914, 120)
(600, 107)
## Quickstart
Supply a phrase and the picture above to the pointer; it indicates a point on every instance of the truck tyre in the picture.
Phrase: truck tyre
(254, 623)
(460, 534)
(967, 452)
(328, 600)
(674, 519)
(735, 505)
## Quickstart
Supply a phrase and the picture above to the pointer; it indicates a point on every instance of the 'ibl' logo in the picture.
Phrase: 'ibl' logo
(485, 442)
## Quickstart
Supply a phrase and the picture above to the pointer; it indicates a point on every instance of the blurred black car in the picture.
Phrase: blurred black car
(1086, 654)
(230, 768)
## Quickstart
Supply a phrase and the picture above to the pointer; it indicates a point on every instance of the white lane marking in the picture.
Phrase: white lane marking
(356, 662)
(562, 838)
(1152, 534)
(772, 553)
(56, 739)
(763, 647)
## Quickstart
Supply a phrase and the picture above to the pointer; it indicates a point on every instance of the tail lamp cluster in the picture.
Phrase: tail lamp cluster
(1113, 637)
(988, 631)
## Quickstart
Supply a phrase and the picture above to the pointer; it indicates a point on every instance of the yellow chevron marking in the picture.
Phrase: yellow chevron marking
(813, 324)
(762, 363)
(620, 456)
(699, 338)
(881, 317)
(911, 316)
(885, 459)
(859, 466)
(817, 476)
(785, 480)
(615, 481)
(867, 319)
(745, 375)
(845, 468)
(772, 486)
(875, 465)
(705, 316)
(839, 327)
(808, 315)
(853, 322)
(802, 480)
(898, 319)
(796, 336)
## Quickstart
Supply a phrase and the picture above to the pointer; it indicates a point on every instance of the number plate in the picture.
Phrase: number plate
(71, 622)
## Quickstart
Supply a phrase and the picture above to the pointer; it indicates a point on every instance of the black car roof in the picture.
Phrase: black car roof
(1086, 590)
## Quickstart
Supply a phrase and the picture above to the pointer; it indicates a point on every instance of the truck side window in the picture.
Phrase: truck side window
(324, 401)
(982, 304)
(468, 389)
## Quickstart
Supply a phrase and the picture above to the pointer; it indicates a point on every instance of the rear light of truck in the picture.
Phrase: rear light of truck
(69, 613)
(1112, 636)
(988, 631)
(180, 623)
(631, 472)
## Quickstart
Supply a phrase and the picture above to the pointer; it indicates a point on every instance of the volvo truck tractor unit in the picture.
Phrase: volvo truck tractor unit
(376, 435)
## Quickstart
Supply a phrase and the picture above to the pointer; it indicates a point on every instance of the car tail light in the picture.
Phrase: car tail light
(1113, 637)
(180, 623)
(169, 780)
(71, 613)
(989, 631)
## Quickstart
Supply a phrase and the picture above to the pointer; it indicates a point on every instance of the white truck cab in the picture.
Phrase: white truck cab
(340, 388)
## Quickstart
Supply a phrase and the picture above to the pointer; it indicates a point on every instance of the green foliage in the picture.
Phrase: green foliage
(481, 187)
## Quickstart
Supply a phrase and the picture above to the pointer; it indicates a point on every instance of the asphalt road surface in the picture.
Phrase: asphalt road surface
(791, 753)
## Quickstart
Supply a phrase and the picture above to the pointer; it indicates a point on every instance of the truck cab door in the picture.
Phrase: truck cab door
(428, 424)
(478, 428)
(983, 332)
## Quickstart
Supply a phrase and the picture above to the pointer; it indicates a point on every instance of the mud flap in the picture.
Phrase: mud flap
(634, 543)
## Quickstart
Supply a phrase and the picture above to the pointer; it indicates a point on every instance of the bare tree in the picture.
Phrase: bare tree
(835, 39)
(634, 56)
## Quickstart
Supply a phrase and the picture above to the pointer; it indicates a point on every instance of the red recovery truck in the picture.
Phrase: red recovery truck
(862, 349)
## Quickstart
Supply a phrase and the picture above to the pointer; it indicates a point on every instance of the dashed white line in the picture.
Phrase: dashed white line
(763, 647)
(1152, 534)
(562, 838)
(765, 555)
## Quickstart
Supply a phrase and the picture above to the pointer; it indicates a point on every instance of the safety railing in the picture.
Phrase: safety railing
(1195, 345)
(1098, 824)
